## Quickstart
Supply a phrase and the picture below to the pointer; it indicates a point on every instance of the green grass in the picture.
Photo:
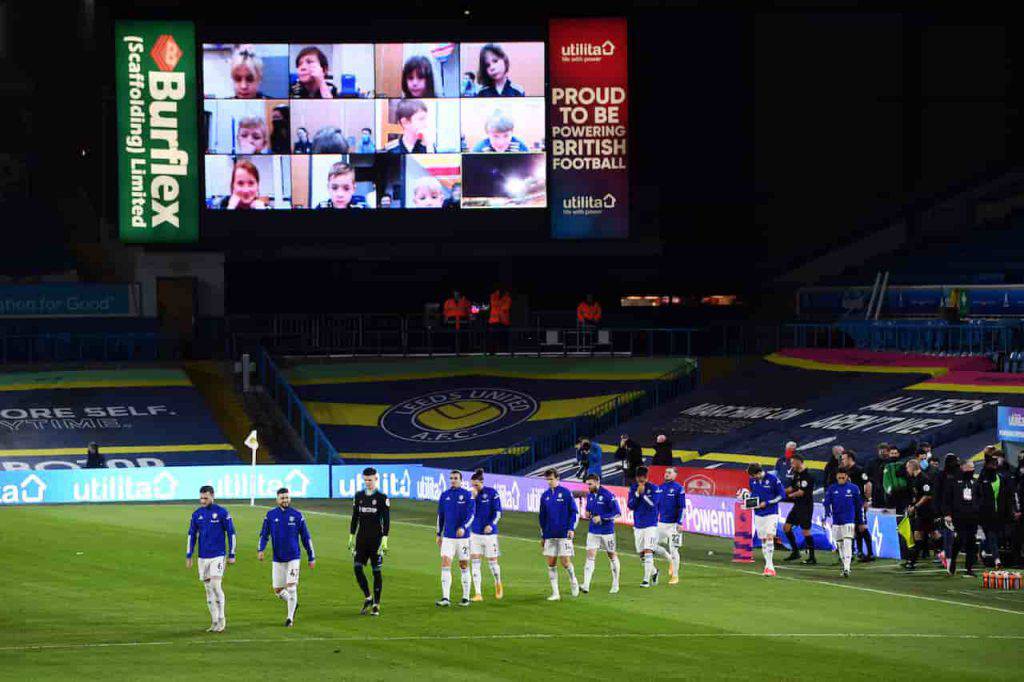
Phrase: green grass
(102, 592)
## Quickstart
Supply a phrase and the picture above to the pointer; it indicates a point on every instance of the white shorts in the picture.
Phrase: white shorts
(211, 568)
(486, 545)
(558, 547)
(455, 548)
(286, 572)
(645, 538)
(668, 534)
(842, 532)
(599, 541)
(766, 526)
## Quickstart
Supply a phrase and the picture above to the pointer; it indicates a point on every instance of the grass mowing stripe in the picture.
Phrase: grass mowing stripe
(873, 590)
(525, 635)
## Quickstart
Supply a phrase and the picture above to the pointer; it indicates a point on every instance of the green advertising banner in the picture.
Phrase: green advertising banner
(157, 135)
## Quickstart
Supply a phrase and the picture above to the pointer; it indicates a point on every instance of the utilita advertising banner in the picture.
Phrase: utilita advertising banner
(588, 114)
(158, 139)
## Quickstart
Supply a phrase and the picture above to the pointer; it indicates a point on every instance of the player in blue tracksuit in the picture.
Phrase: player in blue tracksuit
(455, 512)
(644, 500)
(602, 509)
(286, 527)
(557, 518)
(843, 503)
(212, 529)
(767, 488)
(671, 505)
(484, 540)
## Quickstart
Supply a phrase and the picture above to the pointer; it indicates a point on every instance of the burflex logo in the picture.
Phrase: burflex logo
(459, 415)
(166, 52)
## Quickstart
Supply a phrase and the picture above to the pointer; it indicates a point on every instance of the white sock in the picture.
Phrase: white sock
(674, 560)
(768, 549)
(466, 580)
(211, 602)
(847, 553)
(292, 599)
(477, 578)
(588, 573)
(571, 570)
(218, 593)
(648, 567)
(553, 577)
(446, 582)
(662, 552)
(615, 571)
(495, 570)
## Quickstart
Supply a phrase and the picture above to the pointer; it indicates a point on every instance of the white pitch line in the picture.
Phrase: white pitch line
(561, 635)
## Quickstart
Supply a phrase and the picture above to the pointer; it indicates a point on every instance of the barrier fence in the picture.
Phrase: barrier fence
(705, 514)
(277, 387)
(607, 415)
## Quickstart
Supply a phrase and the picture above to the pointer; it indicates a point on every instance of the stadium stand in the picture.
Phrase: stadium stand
(458, 411)
(821, 398)
(137, 416)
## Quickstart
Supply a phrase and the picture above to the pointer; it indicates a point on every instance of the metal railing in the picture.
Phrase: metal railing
(976, 338)
(78, 347)
(313, 438)
(600, 418)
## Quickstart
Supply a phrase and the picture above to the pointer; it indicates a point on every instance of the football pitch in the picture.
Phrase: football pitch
(101, 592)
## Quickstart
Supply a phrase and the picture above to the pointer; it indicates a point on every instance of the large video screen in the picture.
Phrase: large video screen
(374, 126)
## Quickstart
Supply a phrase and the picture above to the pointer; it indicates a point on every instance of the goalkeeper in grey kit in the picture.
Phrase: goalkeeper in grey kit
(368, 538)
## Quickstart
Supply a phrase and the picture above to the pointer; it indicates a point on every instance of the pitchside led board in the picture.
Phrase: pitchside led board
(588, 115)
(339, 126)
(157, 141)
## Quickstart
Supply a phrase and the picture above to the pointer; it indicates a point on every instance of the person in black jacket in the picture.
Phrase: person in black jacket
(875, 469)
(1017, 512)
(631, 456)
(662, 452)
(961, 508)
(860, 478)
(945, 478)
(994, 512)
(93, 458)
(832, 467)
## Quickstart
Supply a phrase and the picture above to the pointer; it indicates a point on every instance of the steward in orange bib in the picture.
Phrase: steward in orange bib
(588, 312)
(456, 309)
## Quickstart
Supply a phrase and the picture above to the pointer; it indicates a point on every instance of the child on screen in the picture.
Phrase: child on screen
(245, 188)
(411, 114)
(246, 73)
(251, 137)
(341, 183)
(418, 78)
(492, 74)
(427, 193)
(312, 72)
(499, 127)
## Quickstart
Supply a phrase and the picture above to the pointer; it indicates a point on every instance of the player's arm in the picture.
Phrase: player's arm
(631, 499)
(616, 511)
(574, 515)
(307, 541)
(826, 503)
(469, 514)
(496, 513)
(261, 546)
(780, 494)
(385, 523)
(229, 528)
(440, 519)
(193, 537)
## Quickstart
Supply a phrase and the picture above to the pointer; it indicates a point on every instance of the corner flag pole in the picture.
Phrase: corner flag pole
(253, 445)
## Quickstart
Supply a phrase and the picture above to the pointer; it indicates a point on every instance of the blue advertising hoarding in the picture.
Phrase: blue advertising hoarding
(705, 514)
(1011, 424)
(69, 299)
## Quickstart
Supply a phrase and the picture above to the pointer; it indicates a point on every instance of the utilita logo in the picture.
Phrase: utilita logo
(605, 49)
(589, 202)
(1016, 418)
